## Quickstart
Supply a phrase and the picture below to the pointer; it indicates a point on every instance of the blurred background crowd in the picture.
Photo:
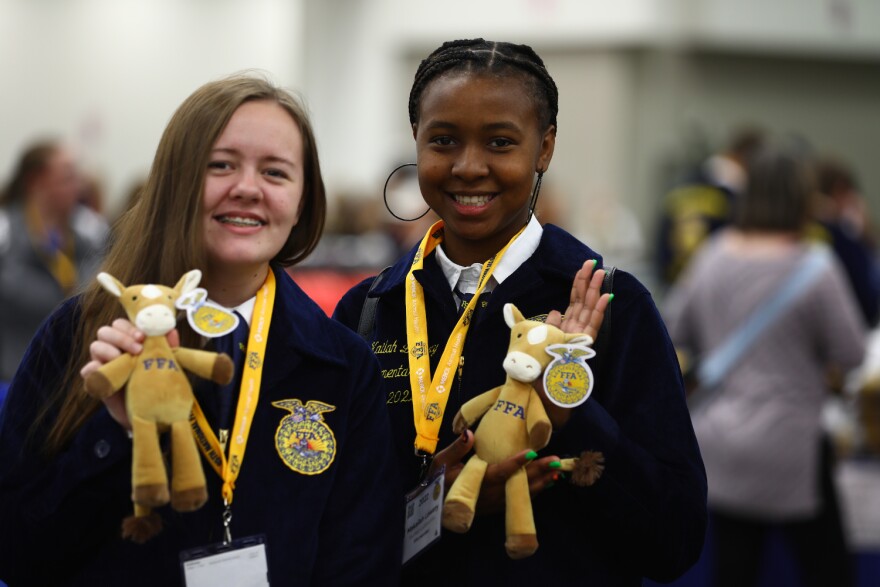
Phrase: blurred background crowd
(663, 105)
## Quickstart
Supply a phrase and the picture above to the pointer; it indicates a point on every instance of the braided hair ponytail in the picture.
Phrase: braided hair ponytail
(480, 56)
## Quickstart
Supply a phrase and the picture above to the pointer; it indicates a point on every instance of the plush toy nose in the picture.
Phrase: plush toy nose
(521, 366)
(155, 320)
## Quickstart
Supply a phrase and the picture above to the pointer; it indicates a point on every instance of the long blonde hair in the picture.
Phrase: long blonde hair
(160, 237)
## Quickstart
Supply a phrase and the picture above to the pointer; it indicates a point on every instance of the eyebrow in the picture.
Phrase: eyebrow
(492, 126)
(271, 158)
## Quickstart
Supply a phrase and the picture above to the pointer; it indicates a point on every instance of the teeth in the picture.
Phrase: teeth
(237, 221)
(472, 200)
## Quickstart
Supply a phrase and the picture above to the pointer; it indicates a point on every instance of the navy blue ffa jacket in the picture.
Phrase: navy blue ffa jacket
(60, 519)
(646, 516)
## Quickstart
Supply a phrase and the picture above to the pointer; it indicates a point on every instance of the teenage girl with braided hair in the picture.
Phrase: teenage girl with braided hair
(483, 116)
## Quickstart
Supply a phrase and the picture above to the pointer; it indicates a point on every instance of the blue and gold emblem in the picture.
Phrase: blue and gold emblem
(433, 411)
(205, 317)
(419, 349)
(568, 379)
(304, 441)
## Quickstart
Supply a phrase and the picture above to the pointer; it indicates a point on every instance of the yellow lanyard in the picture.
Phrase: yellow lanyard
(228, 469)
(431, 394)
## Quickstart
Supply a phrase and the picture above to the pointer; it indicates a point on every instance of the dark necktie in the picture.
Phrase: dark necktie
(233, 344)
(464, 300)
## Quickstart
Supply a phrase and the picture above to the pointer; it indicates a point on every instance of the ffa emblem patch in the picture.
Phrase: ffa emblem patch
(304, 441)
(206, 318)
(568, 379)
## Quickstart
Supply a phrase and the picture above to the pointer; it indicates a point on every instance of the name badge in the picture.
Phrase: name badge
(240, 562)
(424, 513)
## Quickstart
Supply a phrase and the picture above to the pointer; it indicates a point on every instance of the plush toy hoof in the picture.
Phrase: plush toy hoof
(150, 495)
(97, 385)
(189, 500)
(521, 545)
(457, 517)
(223, 370)
(141, 528)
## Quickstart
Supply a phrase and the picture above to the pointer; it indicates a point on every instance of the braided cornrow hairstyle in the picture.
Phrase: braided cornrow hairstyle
(478, 55)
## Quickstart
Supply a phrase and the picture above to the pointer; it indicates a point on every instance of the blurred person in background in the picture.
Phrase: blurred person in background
(50, 245)
(842, 221)
(703, 202)
(759, 429)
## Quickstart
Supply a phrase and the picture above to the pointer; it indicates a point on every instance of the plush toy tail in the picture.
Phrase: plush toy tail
(141, 526)
(585, 470)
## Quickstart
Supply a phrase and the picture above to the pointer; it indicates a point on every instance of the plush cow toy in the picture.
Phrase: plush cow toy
(513, 420)
(158, 398)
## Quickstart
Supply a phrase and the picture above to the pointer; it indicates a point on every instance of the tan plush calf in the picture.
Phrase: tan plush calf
(513, 420)
(158, 398)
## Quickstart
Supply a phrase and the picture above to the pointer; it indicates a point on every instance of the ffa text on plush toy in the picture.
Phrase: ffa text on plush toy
(158, 399)
(513, 420)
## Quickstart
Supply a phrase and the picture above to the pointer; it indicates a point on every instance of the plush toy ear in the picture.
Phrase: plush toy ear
(512, 315)
(583, 339)
(111, 284)
(188, 282)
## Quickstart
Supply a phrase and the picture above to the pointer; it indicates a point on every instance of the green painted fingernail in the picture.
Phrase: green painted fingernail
(610, 297)
(595, 262)
(531, 455)
(555, 465)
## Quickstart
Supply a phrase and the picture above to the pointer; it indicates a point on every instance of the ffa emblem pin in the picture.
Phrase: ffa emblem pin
(568, 379)
(304, 441)
(433, 412)
(206, 318)
(418, 350)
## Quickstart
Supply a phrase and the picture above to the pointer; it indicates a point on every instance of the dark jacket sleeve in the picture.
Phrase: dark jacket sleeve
(362, 532)
(651, 498)
(53, 511)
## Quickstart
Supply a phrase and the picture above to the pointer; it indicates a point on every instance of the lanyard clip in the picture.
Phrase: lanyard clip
(227, 521)
(425, 467)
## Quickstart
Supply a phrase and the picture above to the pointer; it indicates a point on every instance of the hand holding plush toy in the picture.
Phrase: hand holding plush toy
(513, 420)
(158, 398)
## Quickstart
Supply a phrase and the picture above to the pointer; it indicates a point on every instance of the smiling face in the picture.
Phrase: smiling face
(253, 189)
(480, 143)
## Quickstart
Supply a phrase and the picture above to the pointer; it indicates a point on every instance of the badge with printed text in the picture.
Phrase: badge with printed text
(205, 317)
(424, 514)
(240, 562)
(304, 441)
(568, 380)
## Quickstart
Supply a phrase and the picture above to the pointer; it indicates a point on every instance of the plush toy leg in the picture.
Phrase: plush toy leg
(149, 481)
(522, 539)
(188, 491)
(461, 501)
(142, 526)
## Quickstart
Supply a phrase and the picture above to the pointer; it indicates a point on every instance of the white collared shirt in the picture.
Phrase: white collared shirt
(465, 279)
(245, 309)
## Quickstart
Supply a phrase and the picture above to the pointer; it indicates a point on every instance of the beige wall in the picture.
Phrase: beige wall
(638, 79)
